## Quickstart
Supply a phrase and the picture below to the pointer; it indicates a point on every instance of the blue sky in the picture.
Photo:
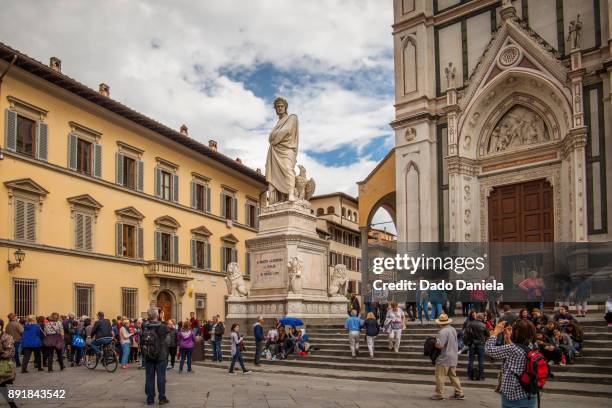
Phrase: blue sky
(217, 66)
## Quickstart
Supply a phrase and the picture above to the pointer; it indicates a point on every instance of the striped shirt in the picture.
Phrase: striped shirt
(513, 365)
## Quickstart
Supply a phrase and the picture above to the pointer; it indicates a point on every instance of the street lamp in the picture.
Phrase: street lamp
(19, 257)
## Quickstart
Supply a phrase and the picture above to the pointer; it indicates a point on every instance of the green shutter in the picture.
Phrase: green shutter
(42, 140)
(140, 186)
(207, 256)
(247, 262)
(78, 231)
(207, 199)
(175, 249)
(194, 258)
(175, 185)
(72, 151)
(234, 255)
(119, 239)
(223, 209)
(247, 215)
(158, 251)
(157, 182)
(19, 219)
(257, 216)
(98, 160)
(119, 169)
(234, 209)
(223, 260)
(31, 222)
(88, 232)
(140, 243)
(10, 130)
(192, 195)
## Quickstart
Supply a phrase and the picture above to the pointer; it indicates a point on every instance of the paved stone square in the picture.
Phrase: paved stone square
(213, 387)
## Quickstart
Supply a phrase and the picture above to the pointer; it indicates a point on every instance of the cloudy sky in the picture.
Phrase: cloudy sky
(217, 66)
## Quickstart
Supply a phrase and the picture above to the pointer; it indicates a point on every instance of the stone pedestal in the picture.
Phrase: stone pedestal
(287, 230)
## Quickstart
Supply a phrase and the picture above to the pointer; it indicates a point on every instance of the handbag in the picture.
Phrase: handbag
(7, 370)
(78, 342)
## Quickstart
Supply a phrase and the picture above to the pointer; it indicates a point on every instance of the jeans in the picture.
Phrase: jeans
(522, 403)
(100, 342)
(423, 307)
(60, 357)
(216, 350)
(354, 342)
(476, 350)
(258, 348)
(77, 354)
(17, 351)
(237, 357)
(185, 354)
(370, 341)
(155, 368)
(125, 353)
(436, 309)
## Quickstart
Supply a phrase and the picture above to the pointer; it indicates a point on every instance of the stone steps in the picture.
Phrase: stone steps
(400, 377)
(590, 375)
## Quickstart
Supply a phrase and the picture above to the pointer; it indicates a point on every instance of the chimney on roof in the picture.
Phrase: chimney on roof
(184, 130)
(239, 160)
(55, 64)
(212, 144)
(104, 89)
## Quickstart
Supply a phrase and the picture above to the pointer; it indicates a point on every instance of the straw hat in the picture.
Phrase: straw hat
(443, 319)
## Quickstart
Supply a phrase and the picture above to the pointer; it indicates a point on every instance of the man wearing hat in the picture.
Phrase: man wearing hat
(446, 363)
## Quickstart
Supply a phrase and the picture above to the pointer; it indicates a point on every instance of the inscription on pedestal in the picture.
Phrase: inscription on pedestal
(268, 268)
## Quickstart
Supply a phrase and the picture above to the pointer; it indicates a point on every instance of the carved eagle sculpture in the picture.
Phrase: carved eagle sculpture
(304, 188)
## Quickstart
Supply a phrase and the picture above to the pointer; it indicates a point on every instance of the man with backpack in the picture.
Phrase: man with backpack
(154, 345)
(524, 369)
(474, 336)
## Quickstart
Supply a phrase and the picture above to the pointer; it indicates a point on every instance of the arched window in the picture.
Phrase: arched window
(330, 210)
(320, 211)
(343, 212)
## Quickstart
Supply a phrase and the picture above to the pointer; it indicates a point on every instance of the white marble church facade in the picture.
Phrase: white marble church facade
(503, 120)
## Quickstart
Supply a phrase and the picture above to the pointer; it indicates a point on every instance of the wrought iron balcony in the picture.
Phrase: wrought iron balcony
(160, 269)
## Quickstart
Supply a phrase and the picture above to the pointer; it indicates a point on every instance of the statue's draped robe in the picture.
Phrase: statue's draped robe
(282, 154)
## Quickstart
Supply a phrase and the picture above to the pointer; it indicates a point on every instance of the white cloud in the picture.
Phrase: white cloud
(163, 59)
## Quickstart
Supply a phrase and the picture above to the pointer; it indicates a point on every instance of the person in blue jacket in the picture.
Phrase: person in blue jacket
(258, 332)
(31, 342)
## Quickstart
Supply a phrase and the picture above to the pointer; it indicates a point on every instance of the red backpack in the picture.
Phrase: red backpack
(535, 374)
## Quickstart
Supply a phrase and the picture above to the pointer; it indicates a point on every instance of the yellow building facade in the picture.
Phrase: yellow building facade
(337, 219)
(113, 211)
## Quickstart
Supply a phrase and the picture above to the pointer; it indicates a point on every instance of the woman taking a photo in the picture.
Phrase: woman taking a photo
(514, 356)
(186, 343)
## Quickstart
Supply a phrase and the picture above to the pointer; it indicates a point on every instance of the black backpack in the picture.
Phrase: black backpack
(469, 335)
(150, 343)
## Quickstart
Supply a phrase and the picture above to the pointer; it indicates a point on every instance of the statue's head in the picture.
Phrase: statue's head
(340, 271)
(302, 170)
(233, 270)
(280, 105)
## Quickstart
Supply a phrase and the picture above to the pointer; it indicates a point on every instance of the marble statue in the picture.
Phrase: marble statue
(304, 188)
(451, 72)
(338, 281)
(573, 35)
(519, 127)
(282, 155)
(295, 268)
(235, 281)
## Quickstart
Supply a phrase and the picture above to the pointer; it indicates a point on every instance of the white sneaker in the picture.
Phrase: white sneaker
(247, 372)
(232, 373)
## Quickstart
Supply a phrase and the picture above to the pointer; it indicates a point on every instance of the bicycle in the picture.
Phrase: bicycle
(109, 357)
